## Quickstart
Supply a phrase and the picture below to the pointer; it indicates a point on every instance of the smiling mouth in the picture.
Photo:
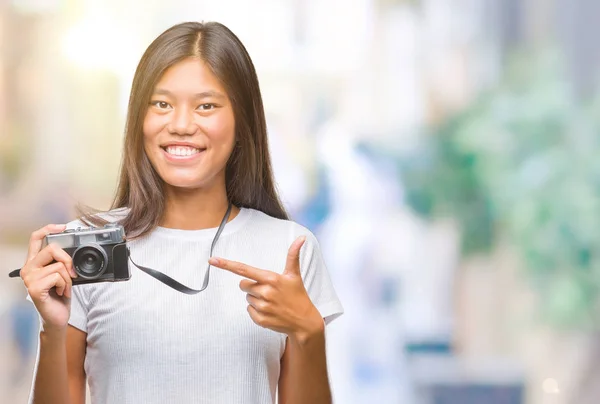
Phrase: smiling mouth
(181, 151)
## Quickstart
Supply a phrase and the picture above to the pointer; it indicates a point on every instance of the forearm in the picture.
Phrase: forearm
(51, 385)
(306, 379)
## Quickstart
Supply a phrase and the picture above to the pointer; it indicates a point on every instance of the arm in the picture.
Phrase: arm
(280, 302)
(303, 377)
(59, 373)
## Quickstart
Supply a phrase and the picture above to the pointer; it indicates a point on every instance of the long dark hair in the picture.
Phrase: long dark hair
(249, 175)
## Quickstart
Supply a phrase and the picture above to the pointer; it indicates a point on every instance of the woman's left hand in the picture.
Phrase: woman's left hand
(278, 301)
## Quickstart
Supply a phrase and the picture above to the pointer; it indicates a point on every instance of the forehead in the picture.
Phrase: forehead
(190, 75)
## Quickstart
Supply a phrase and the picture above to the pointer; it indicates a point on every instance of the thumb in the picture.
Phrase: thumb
(292, 265)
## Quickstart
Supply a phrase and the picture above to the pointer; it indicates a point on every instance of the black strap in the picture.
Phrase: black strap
(164, 278)
(167, 280)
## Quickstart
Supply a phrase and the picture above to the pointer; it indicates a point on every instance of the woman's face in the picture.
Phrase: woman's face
(189, 129)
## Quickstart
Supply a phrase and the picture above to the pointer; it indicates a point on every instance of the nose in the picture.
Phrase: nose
(182, 123)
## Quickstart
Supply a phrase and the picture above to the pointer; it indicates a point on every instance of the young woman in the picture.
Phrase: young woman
(195, 148)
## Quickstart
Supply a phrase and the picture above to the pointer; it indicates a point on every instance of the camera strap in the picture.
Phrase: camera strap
(167, 280)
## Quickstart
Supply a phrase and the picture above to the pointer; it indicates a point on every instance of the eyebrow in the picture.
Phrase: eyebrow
(204, 94)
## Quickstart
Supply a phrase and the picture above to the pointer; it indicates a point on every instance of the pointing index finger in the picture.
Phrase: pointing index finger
(247, 271)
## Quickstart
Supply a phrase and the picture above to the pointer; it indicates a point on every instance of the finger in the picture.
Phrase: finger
(244, 270)
(245, 284)
(57, 267)
(47, 283)
(248, 286)
(43, 272)
(62, 271)
(37, 237)
(60, 284)
(258, 304)
(259, 290)
(292, 264)
(48, 255)
(257, 317)
(53, 252)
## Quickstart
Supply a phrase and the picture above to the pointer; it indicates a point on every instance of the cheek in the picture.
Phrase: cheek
(221, 132)
(151, 129)
(152, 126)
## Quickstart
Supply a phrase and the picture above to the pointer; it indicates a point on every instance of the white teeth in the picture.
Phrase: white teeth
(181, 150)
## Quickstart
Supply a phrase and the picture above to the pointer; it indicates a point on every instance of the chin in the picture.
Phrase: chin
(184, 182)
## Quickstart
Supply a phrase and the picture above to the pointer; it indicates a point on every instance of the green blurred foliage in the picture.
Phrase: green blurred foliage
(522, 163)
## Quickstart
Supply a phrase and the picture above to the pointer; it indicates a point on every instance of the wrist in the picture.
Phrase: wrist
(53, 333)
(313, 327)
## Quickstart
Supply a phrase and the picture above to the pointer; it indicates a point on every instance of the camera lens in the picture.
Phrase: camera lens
(89, 261)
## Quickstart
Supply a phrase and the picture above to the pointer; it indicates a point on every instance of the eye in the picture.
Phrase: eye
(206, 107)
(160, 104)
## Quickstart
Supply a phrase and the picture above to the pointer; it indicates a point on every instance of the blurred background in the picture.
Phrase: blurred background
(443, 151)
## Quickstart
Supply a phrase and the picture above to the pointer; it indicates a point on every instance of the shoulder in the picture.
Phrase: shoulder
(110, 216)
(273, 227)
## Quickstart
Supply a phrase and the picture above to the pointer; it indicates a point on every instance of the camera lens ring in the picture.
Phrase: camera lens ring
(94, 253)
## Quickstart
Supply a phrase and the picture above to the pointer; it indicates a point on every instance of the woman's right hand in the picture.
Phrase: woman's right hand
(47, 276)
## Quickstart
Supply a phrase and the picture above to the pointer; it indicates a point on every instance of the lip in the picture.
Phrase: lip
(182, 144)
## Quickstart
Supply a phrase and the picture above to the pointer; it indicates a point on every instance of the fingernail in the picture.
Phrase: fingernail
(213, 261)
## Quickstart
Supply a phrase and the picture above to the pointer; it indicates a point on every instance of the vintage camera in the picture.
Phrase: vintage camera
(99, 253)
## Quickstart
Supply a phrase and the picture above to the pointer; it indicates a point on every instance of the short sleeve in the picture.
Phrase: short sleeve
(317, 280)
(78, 318)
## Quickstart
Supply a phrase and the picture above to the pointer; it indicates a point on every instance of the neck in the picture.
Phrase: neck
(195, 209)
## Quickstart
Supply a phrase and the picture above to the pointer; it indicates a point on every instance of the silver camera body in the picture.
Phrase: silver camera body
(99, 253)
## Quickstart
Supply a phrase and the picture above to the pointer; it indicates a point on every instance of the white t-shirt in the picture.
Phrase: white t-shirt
(148, 343)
